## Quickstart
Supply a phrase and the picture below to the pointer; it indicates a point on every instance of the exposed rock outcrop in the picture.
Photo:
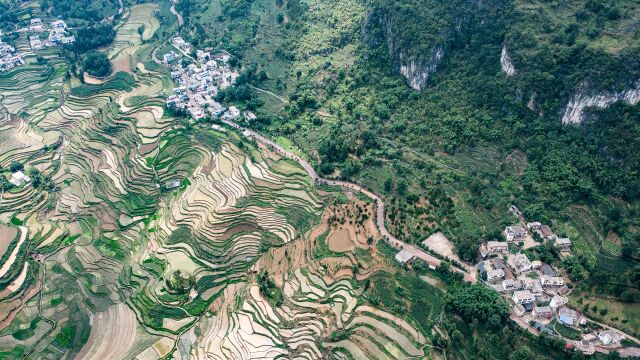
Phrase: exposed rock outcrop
(574, 112)
(505, 63)
(417, 72)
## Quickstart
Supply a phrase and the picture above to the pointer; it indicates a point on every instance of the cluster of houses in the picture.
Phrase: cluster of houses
(9, 58)
(57, 34)
(536, 289)
(200, 81)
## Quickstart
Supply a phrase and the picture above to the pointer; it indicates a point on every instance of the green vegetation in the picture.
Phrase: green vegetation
(121, 81)
(97, 64)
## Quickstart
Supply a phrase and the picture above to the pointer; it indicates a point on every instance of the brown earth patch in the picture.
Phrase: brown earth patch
(7, 235)
(340, 241)
(613, 238)
(148, 148)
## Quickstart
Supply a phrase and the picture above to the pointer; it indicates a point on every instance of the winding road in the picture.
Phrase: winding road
(380, 205)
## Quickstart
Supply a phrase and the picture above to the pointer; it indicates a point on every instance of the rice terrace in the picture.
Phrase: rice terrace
(140, 233)
(148, 211)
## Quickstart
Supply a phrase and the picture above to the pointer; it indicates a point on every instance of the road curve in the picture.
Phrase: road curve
(380, 218)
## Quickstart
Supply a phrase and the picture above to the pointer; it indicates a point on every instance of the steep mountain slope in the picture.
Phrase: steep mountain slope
(455, 110)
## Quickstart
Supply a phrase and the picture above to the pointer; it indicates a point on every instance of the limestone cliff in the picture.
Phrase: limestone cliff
(583, 99)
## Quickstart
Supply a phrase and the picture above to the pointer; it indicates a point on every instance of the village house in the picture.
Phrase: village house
(59, 25)
(497, 263)
(493, 275)
(532, 285)
(534, 225)
(172, 184)
(8, 58)
(547, 270)
(523, 297)
(18, 178)
(515, 211)
(169, 57)
(35, 42)
(515, 233)
(202, 56)
(494, 247)
(543, 312)
(35, 24)
(564, 244)
(568, 316)
(519, 263)
(551, 281)
(546, 233)
(608, 337)
(509, 285)
(249, 116)
(404, 257)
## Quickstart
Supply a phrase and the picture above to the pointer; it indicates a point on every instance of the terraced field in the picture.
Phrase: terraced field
(147, 236)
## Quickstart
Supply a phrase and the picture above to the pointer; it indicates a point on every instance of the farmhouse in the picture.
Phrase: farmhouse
(568, 316)
(8, 58)
(493, 275)
(546, 233)
(551, 281)
(519, 263)
(169, 57)
(494, 247)
(608, 337)
(547, 269)
(405, 257)
(497, 263)
(35, 42)
(523, 297)
(564, 244)
(545, 312)
(172, 184)
(18, 178)
(59, 25)
(249, 116)
(36, 24)
(511, 285)
(534, 225)
(515, 233)
(515, 211)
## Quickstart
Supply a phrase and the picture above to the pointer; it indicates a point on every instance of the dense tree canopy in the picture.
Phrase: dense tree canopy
(97, 64)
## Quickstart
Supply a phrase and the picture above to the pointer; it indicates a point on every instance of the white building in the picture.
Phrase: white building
(493, 275)
(59, 25)
(405, 257)
(35, 42)
(608, 337)
(494, 247)
(551, 281)
(511, 285)
(18, 178)
(558, 301)
(36, 24)
(523, 297)
(515, 233)
(519, 263)
(564, 244)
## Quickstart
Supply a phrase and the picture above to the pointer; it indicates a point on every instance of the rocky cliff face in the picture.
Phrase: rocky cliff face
(505, 63)
(417, 71)
(583, 99)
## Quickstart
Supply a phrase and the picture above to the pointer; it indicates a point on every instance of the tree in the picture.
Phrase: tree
(478, 302)
(16, 166)
(522, 353)
(97, 64)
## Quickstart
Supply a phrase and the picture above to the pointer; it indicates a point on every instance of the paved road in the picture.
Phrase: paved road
(177, 14)
(380, 217)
